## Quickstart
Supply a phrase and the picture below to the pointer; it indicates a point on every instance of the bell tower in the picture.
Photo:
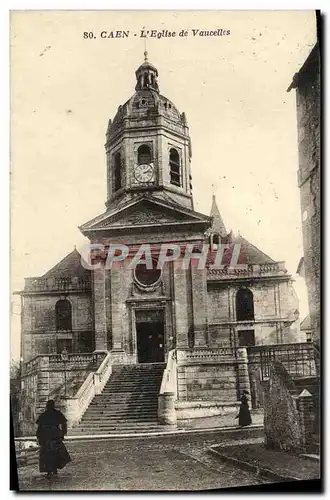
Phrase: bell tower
(148, 145)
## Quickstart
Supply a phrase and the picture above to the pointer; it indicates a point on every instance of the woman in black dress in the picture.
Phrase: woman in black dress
(52, 428)
(244, 416)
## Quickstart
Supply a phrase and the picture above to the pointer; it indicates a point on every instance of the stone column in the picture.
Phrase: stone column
(182, 298)
(166, 408)
(42, 384)
(100, 308)
(199, 299)
(305, 407)
(116, 307)
(70, 410)
(243, 372)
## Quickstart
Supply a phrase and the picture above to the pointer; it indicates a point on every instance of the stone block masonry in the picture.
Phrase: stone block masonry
(207, 382)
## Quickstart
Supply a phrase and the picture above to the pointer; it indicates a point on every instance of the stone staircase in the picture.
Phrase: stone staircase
(127, 404)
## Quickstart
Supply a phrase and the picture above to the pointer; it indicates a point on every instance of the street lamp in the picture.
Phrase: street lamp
(65, 358)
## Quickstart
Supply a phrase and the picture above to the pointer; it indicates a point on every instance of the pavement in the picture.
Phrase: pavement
(276, 465)
(180, 462)
(225, 421)
(187, 426)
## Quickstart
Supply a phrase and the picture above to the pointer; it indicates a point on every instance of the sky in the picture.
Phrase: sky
(233, 89)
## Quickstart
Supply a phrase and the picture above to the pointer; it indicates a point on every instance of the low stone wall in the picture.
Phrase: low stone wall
(188, 410)
(27, 454)
(208, 382)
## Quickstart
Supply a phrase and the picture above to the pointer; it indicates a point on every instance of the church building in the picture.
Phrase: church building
(140, 315)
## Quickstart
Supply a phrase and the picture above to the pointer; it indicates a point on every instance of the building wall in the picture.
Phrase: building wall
(308, 116)
(276, 313)
(39, 323)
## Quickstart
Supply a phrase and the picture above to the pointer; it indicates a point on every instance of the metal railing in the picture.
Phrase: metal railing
(298, 359)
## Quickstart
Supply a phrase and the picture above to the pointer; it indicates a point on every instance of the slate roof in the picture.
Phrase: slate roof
(69, 267)
(251, 254)
(306, 323)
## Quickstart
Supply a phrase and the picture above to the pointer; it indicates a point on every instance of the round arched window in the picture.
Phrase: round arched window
(145, 276)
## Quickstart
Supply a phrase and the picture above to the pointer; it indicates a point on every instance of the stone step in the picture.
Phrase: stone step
(108, 418)
(139, 366)
(151, 381)
(136, 414)
(116, 430)
(125, 401)
(124, 428)
(134, 385)
(129, 401)
(133, 388)
(121, 409)
(115, 408)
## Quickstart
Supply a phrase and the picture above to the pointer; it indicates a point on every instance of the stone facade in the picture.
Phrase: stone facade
(308, 86)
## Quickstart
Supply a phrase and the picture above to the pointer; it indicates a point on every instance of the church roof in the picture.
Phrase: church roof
(250, 254)
(69, 267)
(306, 323)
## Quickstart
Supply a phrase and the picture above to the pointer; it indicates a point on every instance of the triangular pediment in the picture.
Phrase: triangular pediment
(142, 212)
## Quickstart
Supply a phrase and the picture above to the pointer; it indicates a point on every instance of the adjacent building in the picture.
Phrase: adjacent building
(307, 85)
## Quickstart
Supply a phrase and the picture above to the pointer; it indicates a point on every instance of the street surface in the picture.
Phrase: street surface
(162, 463)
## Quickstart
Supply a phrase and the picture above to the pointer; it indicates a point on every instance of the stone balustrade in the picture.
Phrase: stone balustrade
(204, 355)
(246, 271)
(77, 284)
(168, 392)
(76, 406)
(81, 361)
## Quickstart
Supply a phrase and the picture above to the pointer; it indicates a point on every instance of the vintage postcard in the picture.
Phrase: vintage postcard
(165, 225)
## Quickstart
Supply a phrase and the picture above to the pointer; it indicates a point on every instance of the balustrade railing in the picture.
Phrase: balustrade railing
(93, 384)
(57, 284)
(204, 354)
(249, 270)
(298, 359)
(81, 360)
(30, 366)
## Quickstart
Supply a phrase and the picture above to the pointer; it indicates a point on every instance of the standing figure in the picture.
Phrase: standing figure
(52, 428)
(244, 416)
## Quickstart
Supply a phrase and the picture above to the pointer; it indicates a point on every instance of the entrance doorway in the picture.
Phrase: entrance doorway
(150, 336)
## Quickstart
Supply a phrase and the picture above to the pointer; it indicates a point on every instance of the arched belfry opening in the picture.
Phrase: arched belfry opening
(146, 76)
(144, 155)
(63, 313)
(214, 241)
(174, 161)
(117, 172)
(244, 305)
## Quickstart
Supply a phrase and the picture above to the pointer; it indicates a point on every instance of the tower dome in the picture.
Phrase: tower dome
(148, 130)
